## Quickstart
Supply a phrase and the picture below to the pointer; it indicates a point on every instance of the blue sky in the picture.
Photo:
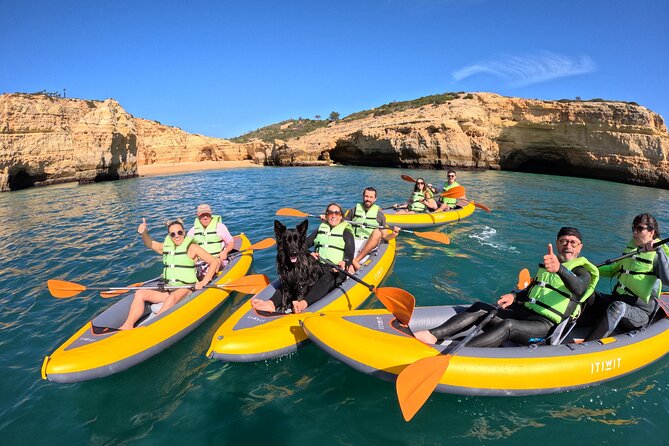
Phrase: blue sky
(222, 68)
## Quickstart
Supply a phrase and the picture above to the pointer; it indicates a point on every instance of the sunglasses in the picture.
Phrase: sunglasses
(205, 216)
(565, 242)
(639, 228)
(419, 182)
(451, 176)
(336, 212)
(174, 234)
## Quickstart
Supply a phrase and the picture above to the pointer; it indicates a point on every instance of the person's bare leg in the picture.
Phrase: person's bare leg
(137, 305)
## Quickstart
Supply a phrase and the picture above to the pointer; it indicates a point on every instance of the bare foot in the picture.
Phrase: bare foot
(299, 306)
(426, 337)
(126, 326)
(263, 305)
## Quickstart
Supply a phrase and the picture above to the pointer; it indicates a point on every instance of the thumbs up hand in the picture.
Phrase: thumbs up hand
(142, 226)
(551, 262)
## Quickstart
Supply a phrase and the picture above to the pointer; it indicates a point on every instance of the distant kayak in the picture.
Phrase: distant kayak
(427, 219)
(98, 349)
(250, 336)
(371, 341)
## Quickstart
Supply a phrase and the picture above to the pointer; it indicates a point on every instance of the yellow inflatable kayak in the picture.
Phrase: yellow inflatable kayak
(98, 349)
(249, 336)
(372, 342)
(427, 219)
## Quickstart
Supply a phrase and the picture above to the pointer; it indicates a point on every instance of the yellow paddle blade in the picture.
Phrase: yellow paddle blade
(114, 293)
(434, 236)
(263, 244)
(408, 178)
(524, 279)
(62, 289)
(290, 212)
(251, 284)
(417, 381)
(399, 302)
(482, 206)
(456, 192)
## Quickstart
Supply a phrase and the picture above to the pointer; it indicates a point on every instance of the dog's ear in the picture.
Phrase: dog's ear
(302, 227)
(279, 229)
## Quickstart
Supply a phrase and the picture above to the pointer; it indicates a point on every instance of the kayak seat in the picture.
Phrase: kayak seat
(560, 331)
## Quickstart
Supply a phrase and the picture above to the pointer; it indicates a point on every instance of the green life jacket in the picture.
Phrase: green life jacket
(635, 274)
(207, 237)
(365, 219)
(550, 298)
(415, 204)
(329, 242)
(178, 267)
(451, 201)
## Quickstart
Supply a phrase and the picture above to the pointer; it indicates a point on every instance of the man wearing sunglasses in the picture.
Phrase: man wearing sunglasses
(209, 232)
(639, 281)
(368, 221)
(451, 182)
(563, 282)
(179, 254)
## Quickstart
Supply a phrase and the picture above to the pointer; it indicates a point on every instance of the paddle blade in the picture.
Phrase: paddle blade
(524, 279)
(456, 192)
(417, 381)
(482, 206)
(290, 212)
(114, 293)
(263, 244)
(434, 236)
(62, 289)
(399, 302)
(251, 284)
(408, 178)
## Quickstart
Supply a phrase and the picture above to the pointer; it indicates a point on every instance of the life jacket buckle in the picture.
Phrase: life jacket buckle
(541, 284)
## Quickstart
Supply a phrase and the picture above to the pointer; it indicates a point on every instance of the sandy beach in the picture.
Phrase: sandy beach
(172, 168)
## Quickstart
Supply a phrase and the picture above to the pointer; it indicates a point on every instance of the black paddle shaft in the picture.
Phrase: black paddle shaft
(476, 330)
(630, 254)
(346, 273)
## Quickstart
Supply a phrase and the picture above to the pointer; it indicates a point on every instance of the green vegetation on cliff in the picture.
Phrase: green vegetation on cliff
(291, 128)
(392, 107)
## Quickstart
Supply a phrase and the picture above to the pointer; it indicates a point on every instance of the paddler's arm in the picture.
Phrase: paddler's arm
(661, 266)
(196, 251)
(576, 281)
(146, 238)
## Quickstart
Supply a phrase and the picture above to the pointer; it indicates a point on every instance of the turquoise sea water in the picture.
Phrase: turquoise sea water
(87, 234)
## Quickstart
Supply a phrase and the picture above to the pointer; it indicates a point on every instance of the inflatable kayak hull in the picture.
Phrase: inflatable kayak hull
(98, 349)
(370, 341)
(249, 336)
(428, 219)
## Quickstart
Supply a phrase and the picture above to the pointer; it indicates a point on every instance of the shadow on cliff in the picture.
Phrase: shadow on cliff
(19, 178)
(381, 155)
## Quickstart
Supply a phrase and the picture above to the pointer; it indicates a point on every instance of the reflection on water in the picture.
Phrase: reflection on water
(88, 234)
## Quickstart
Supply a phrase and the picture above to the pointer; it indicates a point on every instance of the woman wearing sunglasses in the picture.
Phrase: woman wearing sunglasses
(179, 254)
(333, 241)
(639, 281)
(421, 200)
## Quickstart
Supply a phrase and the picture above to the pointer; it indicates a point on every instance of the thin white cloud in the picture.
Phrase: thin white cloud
(523, 70)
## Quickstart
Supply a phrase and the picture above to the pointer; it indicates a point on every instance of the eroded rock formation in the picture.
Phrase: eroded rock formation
(46, 140)
(606, 140)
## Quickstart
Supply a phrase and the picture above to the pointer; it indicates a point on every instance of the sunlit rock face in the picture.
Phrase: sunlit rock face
(607, 140)
(46, 140)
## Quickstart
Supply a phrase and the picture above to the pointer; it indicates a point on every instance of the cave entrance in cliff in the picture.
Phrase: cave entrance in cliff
(20, 179)
(543, 161)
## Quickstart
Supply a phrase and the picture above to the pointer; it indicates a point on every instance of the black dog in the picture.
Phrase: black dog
(297, 269)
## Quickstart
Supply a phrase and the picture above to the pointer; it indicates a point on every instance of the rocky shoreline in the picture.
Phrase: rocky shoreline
(46, 140)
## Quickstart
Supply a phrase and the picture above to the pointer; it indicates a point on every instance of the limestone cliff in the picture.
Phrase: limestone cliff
(607, 140)
(45, 140)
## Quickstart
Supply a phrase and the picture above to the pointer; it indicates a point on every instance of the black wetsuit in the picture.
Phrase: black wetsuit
(328, 280)
(515, 323)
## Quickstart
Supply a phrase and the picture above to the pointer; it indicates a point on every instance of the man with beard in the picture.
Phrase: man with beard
(564, 281)
(368, 223)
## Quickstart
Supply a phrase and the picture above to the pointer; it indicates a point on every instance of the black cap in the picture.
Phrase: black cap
(566, 230)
